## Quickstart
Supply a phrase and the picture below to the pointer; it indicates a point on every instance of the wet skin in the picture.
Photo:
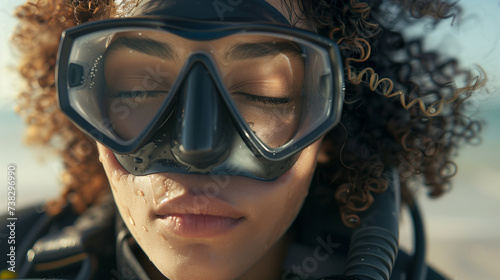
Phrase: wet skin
(192, 226)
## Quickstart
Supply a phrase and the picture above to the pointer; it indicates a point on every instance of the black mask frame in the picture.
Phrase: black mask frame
(274, 161)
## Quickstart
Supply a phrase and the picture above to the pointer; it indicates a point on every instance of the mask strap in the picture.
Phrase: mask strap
(218, 10)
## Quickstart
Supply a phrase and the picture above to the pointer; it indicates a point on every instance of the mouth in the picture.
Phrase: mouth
(198, 226)
(191, 216)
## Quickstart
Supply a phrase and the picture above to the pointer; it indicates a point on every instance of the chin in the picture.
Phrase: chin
(200, 262)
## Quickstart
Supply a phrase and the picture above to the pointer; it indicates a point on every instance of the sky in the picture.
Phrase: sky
(463, 227)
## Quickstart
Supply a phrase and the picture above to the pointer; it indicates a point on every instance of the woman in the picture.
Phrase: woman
(227, 139)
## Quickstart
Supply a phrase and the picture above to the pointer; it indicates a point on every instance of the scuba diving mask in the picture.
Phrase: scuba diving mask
(184, 87)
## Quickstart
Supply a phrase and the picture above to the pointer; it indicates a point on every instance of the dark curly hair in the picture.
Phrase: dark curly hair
(382, 126)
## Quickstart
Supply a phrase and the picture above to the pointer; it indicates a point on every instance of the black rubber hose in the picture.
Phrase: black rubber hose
(374, 244)
(418, 269)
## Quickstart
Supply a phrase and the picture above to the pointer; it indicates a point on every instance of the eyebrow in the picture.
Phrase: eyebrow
(260, 50)
(143, 45)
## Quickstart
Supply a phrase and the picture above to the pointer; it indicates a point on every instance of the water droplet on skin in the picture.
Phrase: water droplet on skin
(168, 183)
(130, 51)
(115, 173)
(139, 160)
(130, 219)
(150, 181)
(162, 236)
(141, 193)
(145, 201)
(251, 124)
(158, 192)
(140, 34)
(145, 229)
(107, 155)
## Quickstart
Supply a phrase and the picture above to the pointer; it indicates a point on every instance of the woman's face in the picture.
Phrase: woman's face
(206, 226)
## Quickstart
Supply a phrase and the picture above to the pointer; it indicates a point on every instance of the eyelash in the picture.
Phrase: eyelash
(254, 98)
(266, 100)
(136, 94)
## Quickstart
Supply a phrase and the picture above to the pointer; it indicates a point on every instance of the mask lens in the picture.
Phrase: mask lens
(264, 76)
(120, 80)
(123, 80)
(280, 84)
(138, 76)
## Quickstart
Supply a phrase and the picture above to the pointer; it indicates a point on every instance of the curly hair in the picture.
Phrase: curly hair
(381, 127)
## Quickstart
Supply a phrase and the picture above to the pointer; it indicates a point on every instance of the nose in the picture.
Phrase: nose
(202, 138)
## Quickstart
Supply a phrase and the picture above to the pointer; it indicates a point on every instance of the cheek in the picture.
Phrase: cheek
(133, 199)
(277, 205)
(286, 205)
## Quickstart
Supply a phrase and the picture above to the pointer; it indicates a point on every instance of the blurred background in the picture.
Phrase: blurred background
(463, 227)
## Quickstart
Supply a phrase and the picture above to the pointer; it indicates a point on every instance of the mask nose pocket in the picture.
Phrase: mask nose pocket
(203, 129)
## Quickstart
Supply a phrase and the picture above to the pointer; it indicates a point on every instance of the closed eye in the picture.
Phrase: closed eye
(266, 99)
(136, 94)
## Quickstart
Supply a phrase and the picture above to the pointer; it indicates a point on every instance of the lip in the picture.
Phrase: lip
(191, 216)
